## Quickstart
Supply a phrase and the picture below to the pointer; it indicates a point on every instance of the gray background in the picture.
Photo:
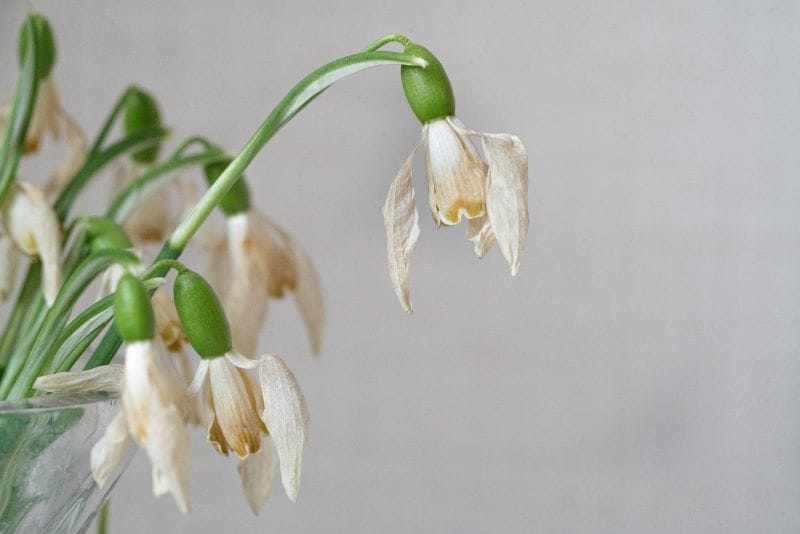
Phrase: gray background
(641, 372)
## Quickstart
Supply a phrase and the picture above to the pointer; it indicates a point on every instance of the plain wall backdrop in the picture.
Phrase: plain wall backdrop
(640, 374)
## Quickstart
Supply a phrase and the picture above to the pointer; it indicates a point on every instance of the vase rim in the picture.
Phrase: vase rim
(56, 401)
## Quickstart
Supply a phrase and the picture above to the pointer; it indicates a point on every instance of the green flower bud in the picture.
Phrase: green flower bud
(428, 90)
(201, 315)
(133, 314)
(102, 233)
(141, 112)
(46, 49)
(237, 199)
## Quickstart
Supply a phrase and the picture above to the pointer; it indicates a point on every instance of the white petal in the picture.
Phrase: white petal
(456, 174)
(9, 259)
(77, 147)
(151, 217)
(246, 297)
(257, 473)
(479, 231)
(110, 450)
(307, 291)
(235, 407)
(103, 378)
(286, 417)
(241, 361)
(507, 194)
(400, 219)
(35, 230)
(44, 116)
(168, 448)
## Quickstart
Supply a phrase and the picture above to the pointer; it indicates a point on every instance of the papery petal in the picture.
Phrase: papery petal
(103, 378)
(257, 473)
(400, 219)
(235, 407)
(307, 291)
(168, 324)
(151, 218)
(456, 174)
(479, 231)
(33, 226)
(110, 450)
(507, 194)
(246, 296)
(168, 448)
(77, 147)
(44, 117)
(9, 259)
(286, 417)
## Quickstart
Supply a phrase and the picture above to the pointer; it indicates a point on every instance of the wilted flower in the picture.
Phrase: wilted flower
(263, 261)
(492, 194)
(153, 413)
(152, 218)
(245, 416)
(29, 225)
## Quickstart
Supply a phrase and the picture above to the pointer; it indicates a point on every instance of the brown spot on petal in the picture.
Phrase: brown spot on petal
(469, 208)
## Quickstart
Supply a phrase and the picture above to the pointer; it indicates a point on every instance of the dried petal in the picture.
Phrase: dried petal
(44, 117)
(168, 446)
(401, 219)
(286, 416)
(77, 147)
(103, 378)
(235, 407)
(257, 473)
(33, 226)
(456, 174)
(479, 231)
(151, 218)
(507, 194)
(110, 450)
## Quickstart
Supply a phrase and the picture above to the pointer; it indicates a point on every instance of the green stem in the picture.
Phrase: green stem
(301, 94)
(103, 517)
(109, 122)
(386, 39)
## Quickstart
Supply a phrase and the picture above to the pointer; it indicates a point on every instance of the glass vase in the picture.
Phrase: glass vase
(46, 484)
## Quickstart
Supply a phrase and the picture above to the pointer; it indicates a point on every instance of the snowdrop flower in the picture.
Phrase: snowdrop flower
(48, 116)
(29, 225)
(152, 218)
(259, 260)
(246, 418)
(154, 412)
(491, 193)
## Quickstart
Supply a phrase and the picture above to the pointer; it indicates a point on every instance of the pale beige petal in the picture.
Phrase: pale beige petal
(44, 117)
(257, 473)
(110, 450)
(103, 378)
(168, 324)
(507, 194)
(9, 259)
(246, 297)
(77, 147)
(400, 218)
(168, 448)
(33, 226)
(286, 417)
(479, 231)
(235, 407)
(456, 174)
(307, 291)
(151, 219)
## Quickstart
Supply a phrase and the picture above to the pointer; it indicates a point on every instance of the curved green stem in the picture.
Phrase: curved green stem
(386, 39)
(109, 122)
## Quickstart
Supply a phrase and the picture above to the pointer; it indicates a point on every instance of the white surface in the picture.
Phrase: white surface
(640, 374)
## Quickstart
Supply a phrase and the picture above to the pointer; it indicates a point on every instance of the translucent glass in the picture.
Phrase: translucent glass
(46, 484)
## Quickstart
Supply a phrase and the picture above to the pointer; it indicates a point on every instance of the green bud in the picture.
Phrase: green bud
(141, 112)
(102, 233)
(133, 314)
(46, 49)
(428, 90)
(237, 199)
(201, 315)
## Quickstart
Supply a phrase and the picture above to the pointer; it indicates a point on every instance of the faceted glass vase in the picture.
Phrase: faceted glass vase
(46, 484)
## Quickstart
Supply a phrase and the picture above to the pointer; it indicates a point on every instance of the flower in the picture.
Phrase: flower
(154, 413)
(152, 218)
(49, 117)
(263, 261)
(244, 417)
(29, 225)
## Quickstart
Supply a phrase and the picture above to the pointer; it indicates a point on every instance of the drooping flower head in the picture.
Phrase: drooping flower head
(490, 191)
(246, 417)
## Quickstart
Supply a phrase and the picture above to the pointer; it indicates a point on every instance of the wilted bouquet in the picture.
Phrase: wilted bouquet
(190, 358)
